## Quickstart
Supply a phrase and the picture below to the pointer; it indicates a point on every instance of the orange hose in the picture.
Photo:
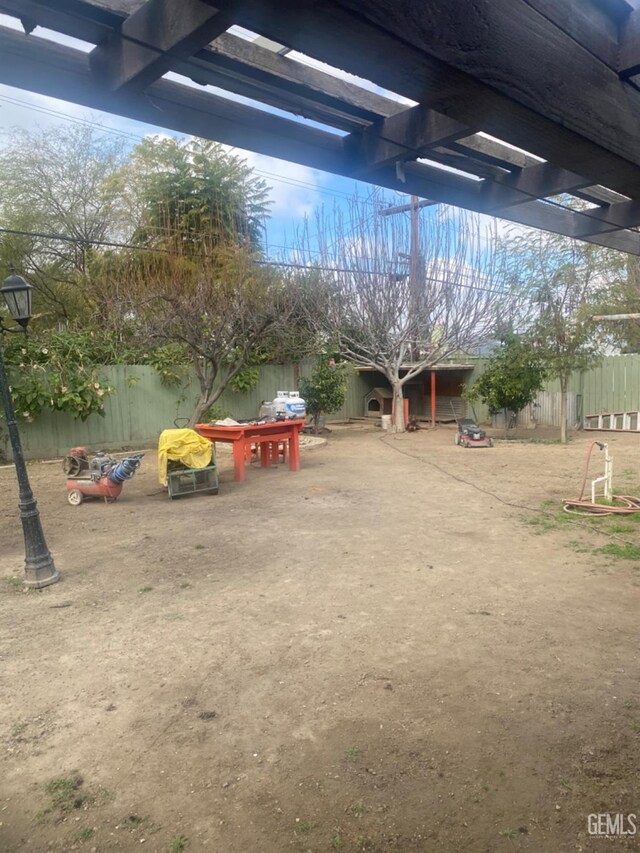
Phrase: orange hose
(579, 506)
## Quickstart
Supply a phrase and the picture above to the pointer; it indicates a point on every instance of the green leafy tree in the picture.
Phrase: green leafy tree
(325, 390)
(61, 371)
(189, 195)
(206, 288)
(560, 279)
(57, 182)
(621, 296)
(54, 371)
(511, 379)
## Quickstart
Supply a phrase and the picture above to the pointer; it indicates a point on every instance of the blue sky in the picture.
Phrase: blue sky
(296, 191)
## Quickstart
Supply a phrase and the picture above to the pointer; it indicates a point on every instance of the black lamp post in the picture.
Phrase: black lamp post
(39, 567)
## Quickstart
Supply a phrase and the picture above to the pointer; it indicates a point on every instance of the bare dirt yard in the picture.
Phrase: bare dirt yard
(385, 652)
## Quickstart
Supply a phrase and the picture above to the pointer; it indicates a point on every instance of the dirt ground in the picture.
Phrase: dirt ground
(370, 655)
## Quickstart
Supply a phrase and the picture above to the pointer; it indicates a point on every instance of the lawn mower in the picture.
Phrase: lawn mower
(469, 434)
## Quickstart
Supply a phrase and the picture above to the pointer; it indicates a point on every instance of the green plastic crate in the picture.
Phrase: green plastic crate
(190, 481)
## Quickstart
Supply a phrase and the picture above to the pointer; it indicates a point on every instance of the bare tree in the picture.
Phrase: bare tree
(222, 308)
(397, 304)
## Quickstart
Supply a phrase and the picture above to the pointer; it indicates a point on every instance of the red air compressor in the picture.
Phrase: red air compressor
(99, 476)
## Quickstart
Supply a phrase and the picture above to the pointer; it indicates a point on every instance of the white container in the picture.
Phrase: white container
(385, 421)
(289, 404)
(267, 410)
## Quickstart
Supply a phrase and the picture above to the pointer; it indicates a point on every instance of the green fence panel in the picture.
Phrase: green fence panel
(139, 409)
(142, 406)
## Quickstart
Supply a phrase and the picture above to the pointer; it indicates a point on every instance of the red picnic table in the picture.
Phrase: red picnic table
(268, 436)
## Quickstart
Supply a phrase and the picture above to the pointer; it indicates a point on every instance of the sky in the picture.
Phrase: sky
(296, 191)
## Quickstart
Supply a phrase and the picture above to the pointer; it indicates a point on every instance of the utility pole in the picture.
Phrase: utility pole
(415, 259)
(416, 265)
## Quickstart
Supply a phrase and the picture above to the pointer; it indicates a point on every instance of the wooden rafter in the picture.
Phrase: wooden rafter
(497, 66)
(152, 39)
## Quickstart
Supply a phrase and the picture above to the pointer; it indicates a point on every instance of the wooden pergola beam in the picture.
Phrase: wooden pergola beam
(404, 136)
(587, 23)
(517, 56)
(85, 21)
(507, 83)
(62, 72)
(413, 51)
(152, 40)
(261, 74)
(626, 214)
(434, 184)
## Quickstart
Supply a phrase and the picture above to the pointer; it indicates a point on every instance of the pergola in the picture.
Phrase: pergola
(514, 108)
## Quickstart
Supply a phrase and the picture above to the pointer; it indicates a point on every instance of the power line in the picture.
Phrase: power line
(138, 138)
(261, 105)
(65, 238)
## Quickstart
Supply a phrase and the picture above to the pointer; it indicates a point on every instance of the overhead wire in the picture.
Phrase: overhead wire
(142, 43)
(340, 194)
(285, 264)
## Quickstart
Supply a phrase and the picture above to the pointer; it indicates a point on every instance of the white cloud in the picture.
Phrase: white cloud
(294, 188)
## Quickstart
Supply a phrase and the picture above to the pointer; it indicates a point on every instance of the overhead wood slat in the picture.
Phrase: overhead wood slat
(599, 195)
(404, 136)
(247, 69)
(538, 181)
(494, 153)
(492, 64)
(499, 66)
(151, 40)
(499, 154)
(465, 164)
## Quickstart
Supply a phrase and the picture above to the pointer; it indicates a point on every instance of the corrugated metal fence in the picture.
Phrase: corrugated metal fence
(545, 410)
(142, 407)
(612, 386)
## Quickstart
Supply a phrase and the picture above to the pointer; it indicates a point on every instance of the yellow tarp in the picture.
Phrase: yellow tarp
(182, 445)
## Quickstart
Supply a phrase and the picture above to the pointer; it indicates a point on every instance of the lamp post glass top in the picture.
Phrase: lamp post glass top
(17, 295)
